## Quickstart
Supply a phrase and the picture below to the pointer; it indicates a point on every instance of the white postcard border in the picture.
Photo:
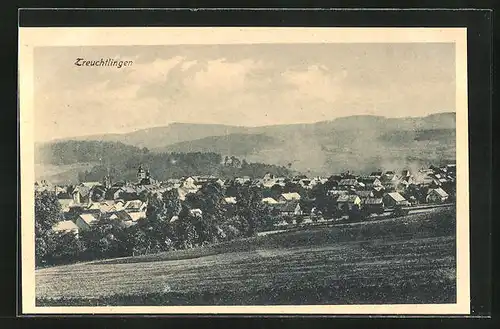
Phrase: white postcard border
(29, 38)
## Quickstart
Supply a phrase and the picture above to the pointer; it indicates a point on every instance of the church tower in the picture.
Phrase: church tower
(107, 181)
(141, 173)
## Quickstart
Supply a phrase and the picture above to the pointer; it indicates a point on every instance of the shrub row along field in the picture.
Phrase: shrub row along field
(405, 260)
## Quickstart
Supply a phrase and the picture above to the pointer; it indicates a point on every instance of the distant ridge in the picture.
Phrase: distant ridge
(134, 138)
(362, 142)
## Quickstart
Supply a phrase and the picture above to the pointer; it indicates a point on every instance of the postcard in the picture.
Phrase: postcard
(244, 170)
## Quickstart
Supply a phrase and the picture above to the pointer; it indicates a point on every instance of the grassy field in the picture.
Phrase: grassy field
(404, 260)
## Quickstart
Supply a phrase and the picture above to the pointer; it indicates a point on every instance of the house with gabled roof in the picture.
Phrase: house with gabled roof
(120, 215)
(307, 205)
(135, 205)
(269, 201)
(268, 177)
(376, 174)
(121, 219)
(66, 204)
(81, 194)
(373, 205)
(348, 183)
(291, 208)
(97, 193)
(189, 182)
(390, 186)
(242, 180)
(348, 201)
(269, 183)
(405, 173)
(61, 192)
(42, 186)
(369, 182)
(111, 206)
(436, 195)
(363, 194)
(66, 226)
(403, 184)
(93, 207)
(230, 200)
(287, 197)
(202, 181)
(94, 211)
(335, 178)
(388, 175)
(136, 215)
(196, 212)
(171, 182)
(86, 221)
(334, 194)
(118, 184)
(90, 184)
(393, 199)
(378, 191)
(113, 193)
(425, 177)
(306, 183)
(451, 168)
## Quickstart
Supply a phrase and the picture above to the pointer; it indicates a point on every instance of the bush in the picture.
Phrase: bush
(356, 214)
(67, 248)
(288, 219)
(47, 214)
(299, 219)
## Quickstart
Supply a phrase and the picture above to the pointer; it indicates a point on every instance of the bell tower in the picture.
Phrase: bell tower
(107, 179)
(141, 173)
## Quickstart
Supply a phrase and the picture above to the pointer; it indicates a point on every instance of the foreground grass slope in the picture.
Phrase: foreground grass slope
(407, 260)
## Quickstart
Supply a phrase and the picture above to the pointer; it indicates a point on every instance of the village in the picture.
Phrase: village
(292, 200)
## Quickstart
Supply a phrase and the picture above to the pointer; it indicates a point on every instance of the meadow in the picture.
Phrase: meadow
(408, 259)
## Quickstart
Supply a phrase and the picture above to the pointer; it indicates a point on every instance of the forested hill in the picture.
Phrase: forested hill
(122, 161)
(357, 143)
(72, 152)
(361, 143)
(174, 165)
(233, 144)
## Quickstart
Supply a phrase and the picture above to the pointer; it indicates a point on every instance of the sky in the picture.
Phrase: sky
(244, 85)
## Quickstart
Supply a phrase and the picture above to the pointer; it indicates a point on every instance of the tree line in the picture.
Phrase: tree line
(169, 225)
(174, 165)
(172, 224)
(121, 161)
(74, 151)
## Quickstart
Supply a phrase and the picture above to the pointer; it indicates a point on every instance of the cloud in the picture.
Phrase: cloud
(220, 75)
(155, 71)
(188, 64)
(242, 85)
(95, 108)
(316, 82)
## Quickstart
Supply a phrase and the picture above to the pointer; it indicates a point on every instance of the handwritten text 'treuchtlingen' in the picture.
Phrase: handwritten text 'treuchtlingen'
(103, 62)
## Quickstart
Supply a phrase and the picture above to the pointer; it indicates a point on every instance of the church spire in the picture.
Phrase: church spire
(141, 174)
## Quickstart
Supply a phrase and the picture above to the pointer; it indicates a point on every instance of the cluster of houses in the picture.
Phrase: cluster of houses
(87, 203)
(374, 193)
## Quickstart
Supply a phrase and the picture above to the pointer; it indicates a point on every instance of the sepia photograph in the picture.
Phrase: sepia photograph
(254, 170)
